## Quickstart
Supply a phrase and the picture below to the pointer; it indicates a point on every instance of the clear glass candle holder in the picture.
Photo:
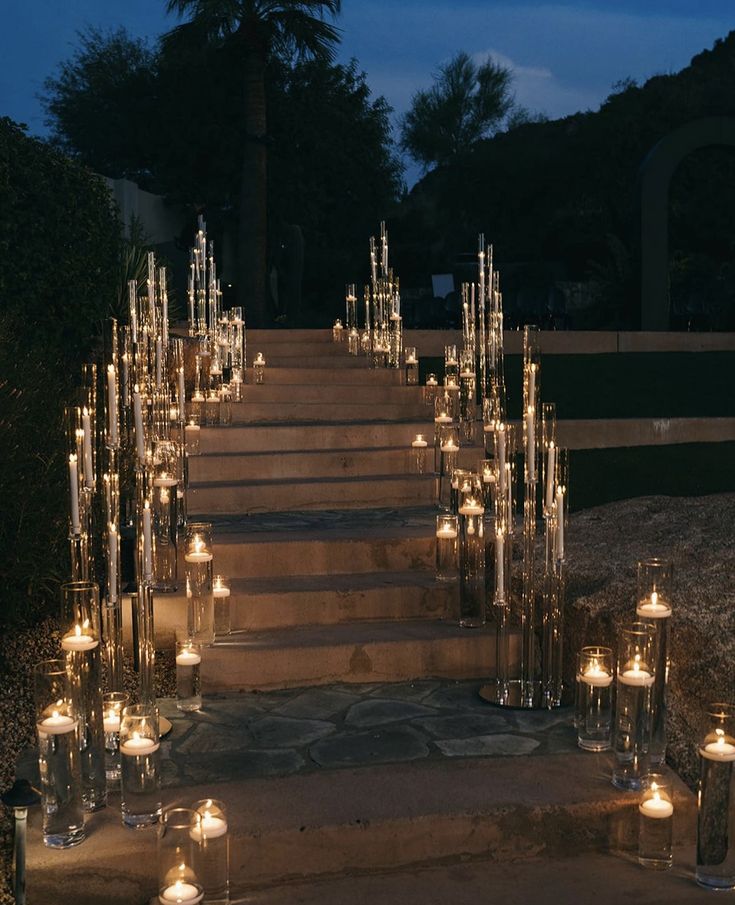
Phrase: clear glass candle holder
(212, 835)
(716, 800)
(192, 435)
(655, 823)
(57, 728)
(448, 452)
(451, 361)
(165, 515)
(140, 773)
(337, 331)
(221, 592)
(411, 362)
(212, 409)
(418, 447)
(447, 547)
(178, 858)
(471, 511)
(198, 560)
(431, 388)
(632, 724)
(188, 675)
(593, 698)
(489, 480)
(655, 580)
(80, 642)
(259, 368)
(225, 411)
(113, 704)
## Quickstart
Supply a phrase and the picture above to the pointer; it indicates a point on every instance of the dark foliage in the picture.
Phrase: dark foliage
(563, 197)
(59, 258)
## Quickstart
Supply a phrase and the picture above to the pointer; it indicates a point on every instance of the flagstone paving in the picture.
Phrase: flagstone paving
(301, 730)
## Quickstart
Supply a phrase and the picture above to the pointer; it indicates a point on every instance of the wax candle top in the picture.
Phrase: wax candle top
(446, 531)
(78, 640)
(657, 807)
(188, 657)
(57, 724)
(596, 676)
(449, 446)
(720, 749)
(419, 442)
(636, 675)
(471, 507)
(198, 551)
(111, 721)
(220, 588)
(654, 607)
(191, 427)
(181, 893)
(210, 827)
(139, 745)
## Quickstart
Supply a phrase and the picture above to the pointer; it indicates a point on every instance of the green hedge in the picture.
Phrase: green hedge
(60, 246)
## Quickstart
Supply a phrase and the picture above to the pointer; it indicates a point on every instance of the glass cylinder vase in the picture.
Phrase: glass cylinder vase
(471, 553)
(593, 698)
(178, 857)
(140, 774)
(212, 835)
(655, 580)
(188, 675)
(632, 725)
(80, 642)
(113, 704)
(58, 756)
(655, 823)
(198, 559)
(716, 800)
(165, 518)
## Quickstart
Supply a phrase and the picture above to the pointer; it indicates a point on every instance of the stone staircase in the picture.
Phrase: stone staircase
(325, 528)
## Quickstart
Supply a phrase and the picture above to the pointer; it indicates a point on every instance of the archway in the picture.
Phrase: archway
(655, 175)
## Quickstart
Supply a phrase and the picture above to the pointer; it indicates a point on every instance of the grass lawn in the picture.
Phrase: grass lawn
(625, 385)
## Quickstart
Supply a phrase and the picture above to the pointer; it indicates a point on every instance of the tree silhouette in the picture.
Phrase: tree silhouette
(257, 29)
(466, 103)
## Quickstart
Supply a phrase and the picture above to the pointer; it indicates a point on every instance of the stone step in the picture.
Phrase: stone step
(295, 600)
(330, 393)
(336, 362)
(321, 375)
(601, 877)
(353, 652)
(313, 437)
(314, 464)
(262, 412)
(324, 542)
(518, 816)
(367, 492)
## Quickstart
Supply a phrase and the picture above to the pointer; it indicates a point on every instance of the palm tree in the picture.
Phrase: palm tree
(258, 28)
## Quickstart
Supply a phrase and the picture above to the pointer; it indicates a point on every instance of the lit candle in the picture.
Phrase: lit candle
(210, 827)
(198, 551)
(76, 525)
(138, 415)
(531, 385)
(57, 724)
(636, 675)
(259, 360)
(191, 431)
(112, 405)
(419, 442)
(559, 523)
(432, 382)
(111, 721)
(139, 745)
(164, 480)
(550, 466)
(656, 807)
(450, 446)
(471, 507)
(653, 608)
(443, 418)
(596, 676)
(487, 475)
(220, 587)
(720, 749)
(87, 428)
(446, 532)
(188, 657)
(499, 565)
(147, 541)
(78, 640)
(124, 381)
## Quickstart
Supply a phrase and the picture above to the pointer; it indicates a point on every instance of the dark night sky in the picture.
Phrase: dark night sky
(565, 55)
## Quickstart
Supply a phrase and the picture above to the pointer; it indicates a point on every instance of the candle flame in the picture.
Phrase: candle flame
(654, 599)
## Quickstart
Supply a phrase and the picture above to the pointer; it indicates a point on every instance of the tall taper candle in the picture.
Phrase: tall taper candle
(112, 405)
(76, 526)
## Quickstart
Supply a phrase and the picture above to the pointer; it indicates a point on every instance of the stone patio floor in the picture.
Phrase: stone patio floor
(277, 733)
